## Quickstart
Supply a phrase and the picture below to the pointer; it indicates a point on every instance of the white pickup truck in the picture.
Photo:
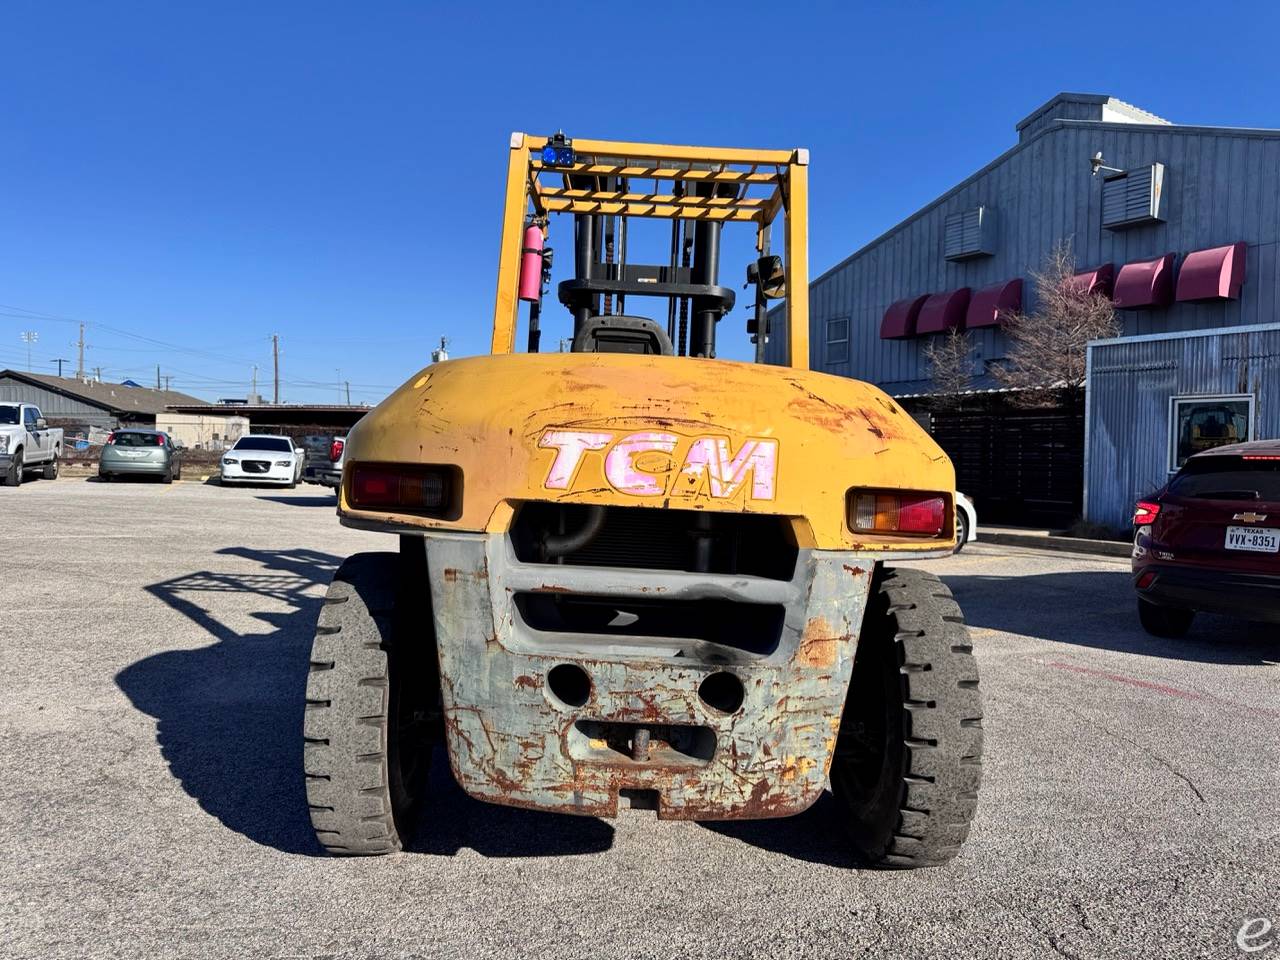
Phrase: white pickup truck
(27, 442)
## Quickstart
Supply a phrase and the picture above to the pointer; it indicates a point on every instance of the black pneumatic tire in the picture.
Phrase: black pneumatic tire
(962, 529)
(1167, 622)
(908, 759)
(14, 477)
(51, 468)
(372, 691)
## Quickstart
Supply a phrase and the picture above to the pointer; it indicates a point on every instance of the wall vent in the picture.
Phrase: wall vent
(1133, 198)
(969, 234)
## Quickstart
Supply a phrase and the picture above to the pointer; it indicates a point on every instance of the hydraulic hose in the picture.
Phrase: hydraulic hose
(556, 545)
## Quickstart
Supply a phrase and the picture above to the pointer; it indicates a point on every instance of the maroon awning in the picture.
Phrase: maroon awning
(1146, 283)
(1216, 274)
(990, 304)
(943, 311)
(1097, 280)
(900, 319)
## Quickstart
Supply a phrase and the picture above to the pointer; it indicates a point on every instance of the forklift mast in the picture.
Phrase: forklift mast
(603, 184)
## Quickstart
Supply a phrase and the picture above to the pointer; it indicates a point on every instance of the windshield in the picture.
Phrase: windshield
(8, 415)
(277, 444)
(1228, 478)
(137, 440)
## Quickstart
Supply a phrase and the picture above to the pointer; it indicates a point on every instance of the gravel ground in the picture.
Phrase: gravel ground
(153, 660)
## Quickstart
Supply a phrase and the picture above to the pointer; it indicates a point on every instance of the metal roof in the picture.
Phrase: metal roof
(114, 397)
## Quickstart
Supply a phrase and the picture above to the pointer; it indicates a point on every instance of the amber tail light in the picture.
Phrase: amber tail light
(915, 514)
(429, 490)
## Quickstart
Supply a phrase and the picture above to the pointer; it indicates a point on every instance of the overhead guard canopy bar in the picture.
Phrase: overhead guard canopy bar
(613, 161)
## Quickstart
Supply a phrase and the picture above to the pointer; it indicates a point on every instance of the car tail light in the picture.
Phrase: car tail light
(1144, 581)
(1145, 512)
(912, 513)
(335, 451)
(1261, 456)
(429, 490)
(111, 438)
(159, 439)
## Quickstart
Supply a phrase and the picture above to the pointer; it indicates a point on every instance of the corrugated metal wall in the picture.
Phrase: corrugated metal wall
(54, 405)
(1127, 446)
(1222, 186)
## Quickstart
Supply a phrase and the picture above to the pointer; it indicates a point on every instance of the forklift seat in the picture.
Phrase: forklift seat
(620, 334)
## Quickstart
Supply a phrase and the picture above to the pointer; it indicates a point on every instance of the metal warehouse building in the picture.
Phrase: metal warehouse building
(1210, 387)
(73, 403)
(1180, 228)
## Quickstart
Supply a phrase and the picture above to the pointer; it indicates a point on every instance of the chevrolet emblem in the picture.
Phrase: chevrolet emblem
(1250, 517)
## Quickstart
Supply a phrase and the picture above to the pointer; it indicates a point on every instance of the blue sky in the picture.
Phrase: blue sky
(205, 175)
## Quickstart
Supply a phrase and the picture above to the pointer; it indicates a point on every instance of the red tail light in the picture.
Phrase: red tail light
(913, 513)
(428, 490)
(159, 439)
(1145, 512)
(335, 451)
(111, 438)
(1261, 456)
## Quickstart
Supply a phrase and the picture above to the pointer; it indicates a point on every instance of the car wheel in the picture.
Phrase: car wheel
(1167, 622)
(372, 706)
(962, 529)
(168, 476)
(908, 757)
(51, 469)
(177, 472)
(14, 477)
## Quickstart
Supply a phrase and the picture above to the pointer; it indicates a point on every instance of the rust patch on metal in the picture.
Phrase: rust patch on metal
(853, 571)
(551, 588)
(818, 644)
(526, 682)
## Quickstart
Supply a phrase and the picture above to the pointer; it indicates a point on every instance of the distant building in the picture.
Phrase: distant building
(201, 431)
(1180, 227)
(83, 404)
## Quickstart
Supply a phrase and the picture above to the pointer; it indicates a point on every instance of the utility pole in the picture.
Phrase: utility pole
(348, 385)
(60, 361)
(97, 374)
(338, 371)
(29, 337)
(157, 376)
(167, 378)
(275, 364)
(80, 355)
(254, 392)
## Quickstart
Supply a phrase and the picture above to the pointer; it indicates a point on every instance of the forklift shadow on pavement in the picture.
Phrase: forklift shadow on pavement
(228, 717)
(1092, 608)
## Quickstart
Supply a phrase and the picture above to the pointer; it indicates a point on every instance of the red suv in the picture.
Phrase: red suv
(1210, 540)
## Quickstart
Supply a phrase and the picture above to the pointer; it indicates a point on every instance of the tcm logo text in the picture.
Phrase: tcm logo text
(653, 463)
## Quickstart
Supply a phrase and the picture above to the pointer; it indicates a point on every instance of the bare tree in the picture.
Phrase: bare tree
(950, 360)
(1045, 362)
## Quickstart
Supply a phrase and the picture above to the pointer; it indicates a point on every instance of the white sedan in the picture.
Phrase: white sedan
(262, 458)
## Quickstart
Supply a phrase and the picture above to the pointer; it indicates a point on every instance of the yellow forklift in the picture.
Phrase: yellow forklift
(631, 574)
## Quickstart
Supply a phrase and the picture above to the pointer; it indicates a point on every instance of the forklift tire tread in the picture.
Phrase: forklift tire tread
(918, 792)
(358, 804)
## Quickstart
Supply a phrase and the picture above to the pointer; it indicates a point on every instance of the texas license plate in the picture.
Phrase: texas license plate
(1257, 539)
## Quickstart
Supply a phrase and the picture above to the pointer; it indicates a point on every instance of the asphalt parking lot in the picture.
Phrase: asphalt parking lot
(153, 659)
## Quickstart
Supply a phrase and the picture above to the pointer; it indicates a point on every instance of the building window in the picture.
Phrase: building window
(838, 340)
(1202, 423)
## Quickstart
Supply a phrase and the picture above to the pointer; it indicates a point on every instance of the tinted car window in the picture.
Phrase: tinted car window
(135, 440)
(8, 415)
(1228, 478)
(278, 444)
